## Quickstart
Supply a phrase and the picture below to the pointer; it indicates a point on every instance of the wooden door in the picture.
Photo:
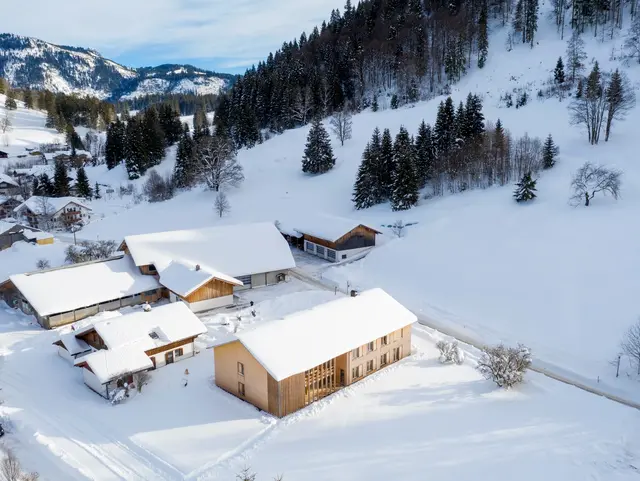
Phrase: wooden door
(169, 357)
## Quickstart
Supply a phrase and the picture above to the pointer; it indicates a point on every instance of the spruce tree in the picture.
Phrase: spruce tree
(443, 132)
(474, 117)
(96, 192)
(395, 103)
(461, 128)
(387, 166)
(483, 37)
(531, 20)
(134, 148)
(28, 98)
(364, 188)
(549, 153)
(374, 104)
(153, 137)
(318, 155)
(46, 187)
(82, 184)
(170, 123)
(185, 168)
(114, 147)
(425, 157)
(60, 180)
(525, 189)
(200, 124)
(558, 73)
(73, 139)
(406, 183)
(35, 187)
(10, 101)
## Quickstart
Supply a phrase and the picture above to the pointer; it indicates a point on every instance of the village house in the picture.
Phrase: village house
(8, 204)
(204, 267)
(11, 232)
(8, 186)
(53, 212)
(70, 293)
(284, 365)
(332, 238)
(113, 351)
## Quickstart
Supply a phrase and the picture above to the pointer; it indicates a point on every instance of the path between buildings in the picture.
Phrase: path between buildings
(538, 365)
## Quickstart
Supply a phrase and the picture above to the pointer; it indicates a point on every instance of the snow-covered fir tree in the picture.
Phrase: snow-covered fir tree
(60, 180)
(406, 183)
(364, 190)
(387, 166)
(82, 184)
(186, 168)
(549, 153)
(444, 129)
(318, 155)
(425, 154)
(558, 73)
(483, 37)
(96, 192)
(114, 146)
(525, 189)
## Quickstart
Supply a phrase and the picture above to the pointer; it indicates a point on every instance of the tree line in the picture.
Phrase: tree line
(409, 48)
(458, 153)
(186, 104)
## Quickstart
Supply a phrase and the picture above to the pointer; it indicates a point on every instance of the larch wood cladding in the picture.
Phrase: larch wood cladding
(360, 231)
(170, 346)
(211, 290)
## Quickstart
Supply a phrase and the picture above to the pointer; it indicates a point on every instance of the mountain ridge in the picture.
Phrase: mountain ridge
(29, 62)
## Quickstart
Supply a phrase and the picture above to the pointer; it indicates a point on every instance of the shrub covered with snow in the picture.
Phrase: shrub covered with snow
(450, 352)
(505, 365)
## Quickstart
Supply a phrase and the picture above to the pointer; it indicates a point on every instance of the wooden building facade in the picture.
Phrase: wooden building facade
(335, 249)
(238, 372)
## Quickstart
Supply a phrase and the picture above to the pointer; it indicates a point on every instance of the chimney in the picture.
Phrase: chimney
(197, 267)
(354, 293)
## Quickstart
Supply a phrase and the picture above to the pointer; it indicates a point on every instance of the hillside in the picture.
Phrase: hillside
(32, 63)
(557, 277)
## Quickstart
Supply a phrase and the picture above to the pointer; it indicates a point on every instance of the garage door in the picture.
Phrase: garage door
(246, 280)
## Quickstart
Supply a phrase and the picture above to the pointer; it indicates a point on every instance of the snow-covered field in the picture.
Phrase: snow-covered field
(413, 418)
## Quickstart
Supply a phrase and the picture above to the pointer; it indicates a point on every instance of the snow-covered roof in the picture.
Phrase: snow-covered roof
(128, 336)
(308, 338)
(72, 344)
(74, 287)
(5, 226)
(109, 364)
(6, 179)
(53, 155)
(35, 204)
(5, 198)
(235, 250)
(324, 226)
(183, 279)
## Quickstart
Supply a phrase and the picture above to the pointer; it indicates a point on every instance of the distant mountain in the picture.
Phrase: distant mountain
(31, 63)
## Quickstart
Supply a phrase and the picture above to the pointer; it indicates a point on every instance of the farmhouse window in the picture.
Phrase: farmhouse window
(241, 388)
(371, 346)
(331, 254)
(384, 359)
(240, 368)
(355, 372)
(396, 354)
(320, 250)
(344, 256)
(370, 366)
(385, 340)
(149, 293)
(179, 352)
(309, 246)
(355, 354)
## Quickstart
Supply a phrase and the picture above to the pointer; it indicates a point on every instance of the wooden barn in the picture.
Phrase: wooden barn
(204, 267)
(67, 294)
(332, 238)
(282, 366)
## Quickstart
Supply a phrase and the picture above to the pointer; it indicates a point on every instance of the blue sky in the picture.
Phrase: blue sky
(222, 35)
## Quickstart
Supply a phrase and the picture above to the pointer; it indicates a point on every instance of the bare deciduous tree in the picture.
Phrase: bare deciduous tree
(589, 110)
(5, 123)
(631, 343)
(43, 264)
(632, 42)
(505, 366)
(591, 179)
(398, 228)
(341, 125)
(45, 212)
(11, 470)
(143, 378)
(450, 352)
(302, 106)
(221, 204)
(157, 188)
(87, 251)
(218, 164)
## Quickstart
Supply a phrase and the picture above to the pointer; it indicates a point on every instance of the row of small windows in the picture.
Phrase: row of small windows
(384, 341)
(322, 251)
(370, 366)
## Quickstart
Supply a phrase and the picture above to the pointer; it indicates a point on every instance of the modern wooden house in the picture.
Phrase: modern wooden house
(8, 186)
(282, 366)
(332, 238)
(8, 204)
(113, 351)
(49, 212)
(67, 294)
(204, 267)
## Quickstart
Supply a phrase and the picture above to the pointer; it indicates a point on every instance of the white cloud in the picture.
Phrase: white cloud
(238, 29)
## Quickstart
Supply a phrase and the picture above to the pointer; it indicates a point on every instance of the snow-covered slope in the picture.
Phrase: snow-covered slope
(559, 278)
(33, 63)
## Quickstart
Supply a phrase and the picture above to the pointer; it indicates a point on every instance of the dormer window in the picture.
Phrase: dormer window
(154, 335)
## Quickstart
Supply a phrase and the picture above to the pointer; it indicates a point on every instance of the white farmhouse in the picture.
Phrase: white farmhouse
(50, 212)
